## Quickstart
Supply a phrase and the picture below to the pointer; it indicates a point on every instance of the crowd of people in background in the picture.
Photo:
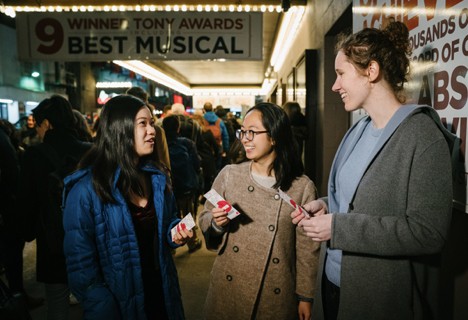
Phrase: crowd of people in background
(53, 143)
(101, 202)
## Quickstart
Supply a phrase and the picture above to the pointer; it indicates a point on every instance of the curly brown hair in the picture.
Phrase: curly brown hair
(389, 47)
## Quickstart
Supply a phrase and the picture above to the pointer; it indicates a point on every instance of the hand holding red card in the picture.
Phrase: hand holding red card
(215, 199)
(293, 204)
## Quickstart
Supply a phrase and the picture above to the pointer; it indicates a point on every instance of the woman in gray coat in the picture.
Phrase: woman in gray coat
(388, 209)
(266, 266)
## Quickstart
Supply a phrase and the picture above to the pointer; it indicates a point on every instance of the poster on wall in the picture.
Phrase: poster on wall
(439, 39)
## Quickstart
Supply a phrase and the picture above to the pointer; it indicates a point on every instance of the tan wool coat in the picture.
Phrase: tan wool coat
(264, 261)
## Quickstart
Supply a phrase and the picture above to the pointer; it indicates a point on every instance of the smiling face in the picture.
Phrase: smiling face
(260, 148)
(352, 85)
(144, 132)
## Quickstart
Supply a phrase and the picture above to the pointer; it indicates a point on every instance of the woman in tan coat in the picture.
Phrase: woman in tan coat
(266, 267)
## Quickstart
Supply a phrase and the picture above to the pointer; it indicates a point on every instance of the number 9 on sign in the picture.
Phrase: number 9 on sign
(50, 32)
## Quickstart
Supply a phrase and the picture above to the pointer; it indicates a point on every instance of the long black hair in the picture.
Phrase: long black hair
(115, 148)
(287, 165)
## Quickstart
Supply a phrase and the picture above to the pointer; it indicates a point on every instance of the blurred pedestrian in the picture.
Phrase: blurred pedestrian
(298, 125)
(185, 170)
(28, 133)
(11, 240)
(43, 168)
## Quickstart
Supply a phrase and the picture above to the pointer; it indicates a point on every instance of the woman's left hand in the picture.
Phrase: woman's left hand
(182, 236)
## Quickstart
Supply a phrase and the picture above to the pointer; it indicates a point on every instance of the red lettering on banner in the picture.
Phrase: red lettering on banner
(425, 92)
(465, 46)
(413, 22)
(459, 87)
(368, 3)
(443, 82)
(463, 18)
(433, 33)
(430, 6)
(451, 3)
(458, 125)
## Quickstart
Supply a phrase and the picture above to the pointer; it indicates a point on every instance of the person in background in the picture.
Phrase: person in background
(81, 126)
(389, 202)
(165, 112)
(235, 123)
(178, 108)
(161, 141)
(208, 155)
(185, 171)
(11, 241)
(40, 199)
(118, 216)
(188, 128)
(298, 125)
(216, 125)
(28, 133)
(192, 130)
(266, 266)
(222, 114)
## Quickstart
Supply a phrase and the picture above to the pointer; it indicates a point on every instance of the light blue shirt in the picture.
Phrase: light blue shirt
(347, 178)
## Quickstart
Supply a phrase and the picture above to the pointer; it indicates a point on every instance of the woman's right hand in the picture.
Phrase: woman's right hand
(220, 216)
(314, 208)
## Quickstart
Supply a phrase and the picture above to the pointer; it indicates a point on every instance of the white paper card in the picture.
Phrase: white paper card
(293, 203)
(215, 199)
(187, 221)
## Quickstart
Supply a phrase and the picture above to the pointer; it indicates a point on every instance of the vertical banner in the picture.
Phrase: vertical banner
(439, 39)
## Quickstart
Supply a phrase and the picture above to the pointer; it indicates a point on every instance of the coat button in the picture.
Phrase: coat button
(275, 260)
(250, 188)
(229, 277)
(235, 249)
(277, 197)
(277, 291)
(271, 227)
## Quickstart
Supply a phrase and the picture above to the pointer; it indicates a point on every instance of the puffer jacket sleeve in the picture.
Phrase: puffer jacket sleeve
(84, 273)
(171, 215)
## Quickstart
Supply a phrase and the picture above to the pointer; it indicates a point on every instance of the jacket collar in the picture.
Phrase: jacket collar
(352, 137)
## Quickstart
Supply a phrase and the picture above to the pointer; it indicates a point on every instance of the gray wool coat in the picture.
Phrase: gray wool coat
(395, 227)
(264, 261)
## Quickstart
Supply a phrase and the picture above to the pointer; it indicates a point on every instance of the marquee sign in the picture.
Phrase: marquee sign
(101, 36)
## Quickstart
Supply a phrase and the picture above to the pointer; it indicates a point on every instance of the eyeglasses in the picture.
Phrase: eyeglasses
(248, 134)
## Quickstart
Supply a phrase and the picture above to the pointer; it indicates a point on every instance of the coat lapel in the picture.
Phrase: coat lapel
(349, 142)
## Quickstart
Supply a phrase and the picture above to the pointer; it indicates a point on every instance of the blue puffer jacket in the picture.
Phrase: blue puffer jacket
(101, 249)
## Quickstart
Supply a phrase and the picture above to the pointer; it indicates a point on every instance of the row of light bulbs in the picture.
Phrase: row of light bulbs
(11, 10)
(288, 27)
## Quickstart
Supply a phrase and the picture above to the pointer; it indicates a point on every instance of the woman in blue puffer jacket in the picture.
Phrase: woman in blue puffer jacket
(118, 214)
